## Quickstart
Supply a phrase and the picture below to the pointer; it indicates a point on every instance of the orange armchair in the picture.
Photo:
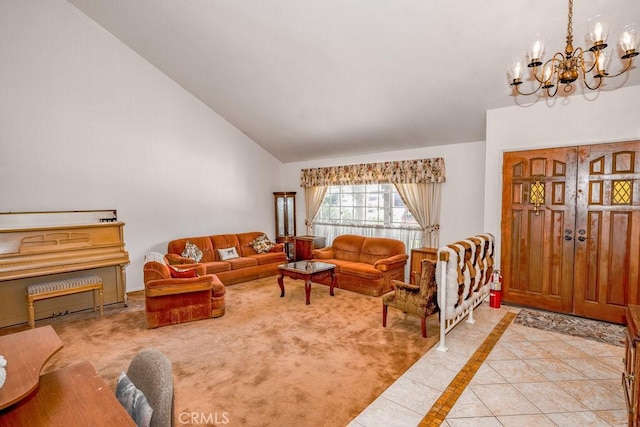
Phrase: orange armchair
(170, 300)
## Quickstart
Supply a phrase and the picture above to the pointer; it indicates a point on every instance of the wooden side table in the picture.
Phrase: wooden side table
(417, 255)
(304, 245)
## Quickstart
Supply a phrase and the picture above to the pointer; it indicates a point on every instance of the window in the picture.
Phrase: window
(376, 205)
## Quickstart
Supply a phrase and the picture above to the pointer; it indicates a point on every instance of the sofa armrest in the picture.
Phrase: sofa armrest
(322, 253)
(391, 263)
(278, 247)
(162, 287)
(175, 259)
(402, 286)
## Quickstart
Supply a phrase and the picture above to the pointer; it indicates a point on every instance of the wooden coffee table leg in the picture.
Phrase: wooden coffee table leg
(333, 283)
(307, 289)
(281, 283)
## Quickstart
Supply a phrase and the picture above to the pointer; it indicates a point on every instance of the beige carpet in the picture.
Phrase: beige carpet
(268, 361)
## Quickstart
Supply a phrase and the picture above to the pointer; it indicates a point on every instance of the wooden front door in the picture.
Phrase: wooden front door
(571, 229)
(608, 230)
(538, 219)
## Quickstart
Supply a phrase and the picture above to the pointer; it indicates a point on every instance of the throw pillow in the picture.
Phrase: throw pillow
(192, 251)
(178, 273)
(261, 244)
(134, 401)
(227, 253)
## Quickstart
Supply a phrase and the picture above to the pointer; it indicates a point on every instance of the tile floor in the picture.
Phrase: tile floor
(531, 377)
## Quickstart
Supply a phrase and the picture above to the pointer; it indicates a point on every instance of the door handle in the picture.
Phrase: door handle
(567, 238)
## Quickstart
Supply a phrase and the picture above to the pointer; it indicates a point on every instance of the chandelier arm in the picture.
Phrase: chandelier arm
(528, 93)
(579, 52)
(624, 70)
(582, 68)
(586, 83)
(555, 90)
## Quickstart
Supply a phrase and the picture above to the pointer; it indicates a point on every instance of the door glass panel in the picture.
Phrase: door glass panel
(537, 193)
(622, 192)
(290, 218)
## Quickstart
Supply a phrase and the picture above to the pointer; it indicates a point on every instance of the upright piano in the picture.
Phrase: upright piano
(42, 253)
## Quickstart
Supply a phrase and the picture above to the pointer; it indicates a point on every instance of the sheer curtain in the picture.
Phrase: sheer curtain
(313, 197)
(423, 201)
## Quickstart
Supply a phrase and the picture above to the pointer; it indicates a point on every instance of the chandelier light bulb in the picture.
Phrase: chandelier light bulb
(629, 38)
(536, 51)
(602, 62)
(599, 30)
(516, 69)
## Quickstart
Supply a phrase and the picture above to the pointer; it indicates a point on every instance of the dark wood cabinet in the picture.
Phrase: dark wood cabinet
(304, 245)
(417, 255)
(285, 215)
(631, 363)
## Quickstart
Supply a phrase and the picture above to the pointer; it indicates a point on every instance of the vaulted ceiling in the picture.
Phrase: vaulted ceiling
(309, 79)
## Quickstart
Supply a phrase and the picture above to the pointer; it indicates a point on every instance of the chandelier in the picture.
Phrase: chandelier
(565, 68)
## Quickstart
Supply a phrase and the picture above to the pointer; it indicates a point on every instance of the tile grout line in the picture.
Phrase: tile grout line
(448, 398)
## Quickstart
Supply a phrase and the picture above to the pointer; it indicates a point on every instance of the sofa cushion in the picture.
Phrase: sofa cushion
(244, 242)
(270, 257)
(377, 248)
(360, 269)
(217, 267)
(348, 247)
(339, 263)
(177, 246)
(244, 262)
(226, 254)
(219, 241)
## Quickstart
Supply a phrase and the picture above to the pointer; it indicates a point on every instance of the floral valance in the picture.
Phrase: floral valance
(404, 171)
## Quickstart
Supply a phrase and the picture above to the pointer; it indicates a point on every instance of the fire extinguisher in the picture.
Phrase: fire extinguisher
(495, 294)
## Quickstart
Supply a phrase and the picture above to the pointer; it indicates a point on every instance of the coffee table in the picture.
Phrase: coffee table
(307, 271)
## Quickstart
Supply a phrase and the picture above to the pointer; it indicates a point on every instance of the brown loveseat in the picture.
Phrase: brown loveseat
(364, 264)
(249, 265)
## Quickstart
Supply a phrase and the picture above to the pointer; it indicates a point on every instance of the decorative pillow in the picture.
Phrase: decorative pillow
(134, 401)
(178, 273)
(192, 251)
(227, 253)
(261, 244)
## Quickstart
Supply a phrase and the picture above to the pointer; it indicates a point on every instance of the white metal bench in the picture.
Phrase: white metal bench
(58, 288)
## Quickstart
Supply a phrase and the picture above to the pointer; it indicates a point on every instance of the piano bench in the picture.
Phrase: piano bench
(58, 288)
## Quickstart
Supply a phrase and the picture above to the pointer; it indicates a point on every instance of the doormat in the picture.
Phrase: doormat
(595, 330)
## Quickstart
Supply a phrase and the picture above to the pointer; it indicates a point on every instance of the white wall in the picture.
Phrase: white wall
(578, 120)
(462, 193)
(86, 123)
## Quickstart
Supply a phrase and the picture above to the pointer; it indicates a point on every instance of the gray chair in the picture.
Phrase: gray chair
(152, 373)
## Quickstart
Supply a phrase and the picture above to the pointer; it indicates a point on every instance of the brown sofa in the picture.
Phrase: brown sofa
(170, 300)
(249, 265)
(364, 264)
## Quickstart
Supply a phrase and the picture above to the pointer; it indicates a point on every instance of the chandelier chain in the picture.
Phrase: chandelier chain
(570, 25)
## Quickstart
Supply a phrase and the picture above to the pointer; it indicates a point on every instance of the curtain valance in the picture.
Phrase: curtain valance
(404, 171)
